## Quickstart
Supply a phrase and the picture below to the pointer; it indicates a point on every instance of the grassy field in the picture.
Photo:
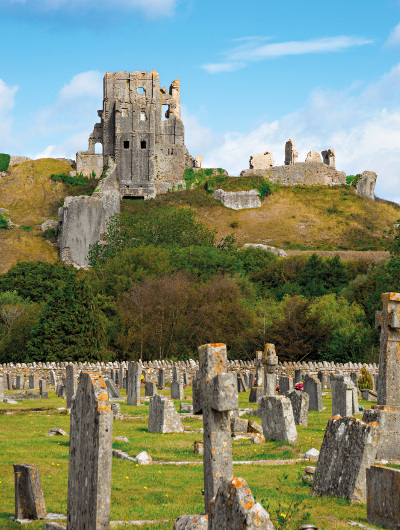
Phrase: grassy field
(163, 491)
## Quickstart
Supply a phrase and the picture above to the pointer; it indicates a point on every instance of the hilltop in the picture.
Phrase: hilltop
(298, 218)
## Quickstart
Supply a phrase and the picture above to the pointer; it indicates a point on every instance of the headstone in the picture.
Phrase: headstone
(241, 385)
(133, 383)
(348, 449)
(121, 376)
(246, 379)
(150, 389)
(185, 379)
(256, 392)
(270, 367)
(354, 378)
(387, 411)
(177, 390)
(196, 393)
(43, 389)
(29, 500)
(369, 395)
(90, 456)
(52, 376)
(342, 397)
(163, 416)
(33, 381)
(299, 401)
(9, 382)
(161, 379)
(70, 384)
(234, 507)
(285, 385)
(298, 376)
(383, 496)
(218, 396)
(313, 388)
(251, 380)
(277, 418)
(19, 382)
(322, 379)
(113, 392)
(1, 388)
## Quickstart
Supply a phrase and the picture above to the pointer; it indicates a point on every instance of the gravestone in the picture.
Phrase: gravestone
(219, 397)
(133, 383)
(270, 367)
(9, 382)
(33, 381)
(342, 397)
(241, 385)
(43, 389)
(185, 379)
(1, 388)
(369, 395)
(29, 500)
(387, 411)
(348, 449)
(277, 418)
(163, 416)
(234, 507)
(121, 376)
(161, 379)
(53, 378)
(354, 378)
(257, 391)
(299, 401)
(313, 388)
(196, 393)
(383, 496)
(177, 390)
(90, 456)
(298, 376)
(70, 384)
(285, 385)
(19, 382)
(246, 378)
(113, 392)
(150, 389)
(322, 379)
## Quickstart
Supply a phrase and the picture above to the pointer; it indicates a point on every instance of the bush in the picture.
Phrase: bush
(4, 161)
(365, 381)
(3, 221)
(79, 184)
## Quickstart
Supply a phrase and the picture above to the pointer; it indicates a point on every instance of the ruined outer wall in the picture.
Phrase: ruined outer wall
(87, 164)
(304, 173)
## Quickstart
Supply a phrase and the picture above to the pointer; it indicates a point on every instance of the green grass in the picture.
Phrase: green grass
(161, 491)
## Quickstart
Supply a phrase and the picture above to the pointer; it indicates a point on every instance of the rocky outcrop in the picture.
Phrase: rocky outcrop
(238, 200)
(366, 185)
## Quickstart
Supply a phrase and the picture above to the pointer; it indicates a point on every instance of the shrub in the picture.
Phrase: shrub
(4, 161)
(79, 184)
(3, 221)
(365, 381)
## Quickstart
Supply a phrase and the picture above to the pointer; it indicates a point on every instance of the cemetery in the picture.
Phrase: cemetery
(187, 446)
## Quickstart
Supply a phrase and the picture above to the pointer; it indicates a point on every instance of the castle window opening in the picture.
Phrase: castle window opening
(142, 116)
(143, 144)
(165, 112)
(140, 90)
(126, 144)
(98, 148)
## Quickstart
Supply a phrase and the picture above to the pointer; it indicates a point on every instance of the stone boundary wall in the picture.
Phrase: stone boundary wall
(150, 369)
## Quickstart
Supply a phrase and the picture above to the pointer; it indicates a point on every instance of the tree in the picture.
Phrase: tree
(71, 328)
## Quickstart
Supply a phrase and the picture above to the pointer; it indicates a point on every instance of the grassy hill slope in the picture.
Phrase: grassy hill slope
(31, 197)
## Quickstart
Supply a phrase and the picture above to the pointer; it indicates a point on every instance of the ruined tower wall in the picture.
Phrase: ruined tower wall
(304, 173)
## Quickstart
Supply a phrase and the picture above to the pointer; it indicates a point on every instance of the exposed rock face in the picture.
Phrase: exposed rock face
(366, 185)
(261, 160)
(14, 160)
(83, 220)
(238, 200)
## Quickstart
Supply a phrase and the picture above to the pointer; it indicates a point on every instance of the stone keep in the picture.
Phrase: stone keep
(299, 401)
(257, 391)
(348, 449)
(163, 416)
(142, 131)
(270, 367)
(277, 418)
(90, 455)
(387, 412)
(133, 383)
(313, 388)
(219, 396)
(29, 500)
(342, 397)
(383, 496)
(70, 384)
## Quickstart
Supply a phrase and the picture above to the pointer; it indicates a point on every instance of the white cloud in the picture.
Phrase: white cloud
(394, 37)
(363, 131)
(152, 8)
(7, 101)
(252, 50)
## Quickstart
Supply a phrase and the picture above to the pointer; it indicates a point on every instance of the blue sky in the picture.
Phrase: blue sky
(253, 74)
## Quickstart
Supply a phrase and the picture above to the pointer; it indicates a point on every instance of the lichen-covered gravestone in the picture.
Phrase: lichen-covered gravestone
(348, 449)
(313, 388)
(342, 397)
(277, 418)
(270, 367)
(383, 496)
(387, 411)
(196, 393)
(150, 389)
(113, 392)
(133, 383)
(90, 456)
(163, 416)
(70, 384)
(299, 401)
(29, 500)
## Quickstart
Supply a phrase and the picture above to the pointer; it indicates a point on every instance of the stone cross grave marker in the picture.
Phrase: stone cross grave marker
(270, 367)
(90, 455)
(219, 396)
(257, 391)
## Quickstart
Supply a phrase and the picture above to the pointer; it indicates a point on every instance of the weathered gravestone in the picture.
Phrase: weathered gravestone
(270, 367)
(257, 391)
(348, 449)
(196, 393)
(277, 418)
(70, 384)
(1, 388)
(19, 382)
(251, 380)
(33, 381)
(90, 456)
(285, 385)
(53, 378)
(241, 385)
(163, 416)
(299, 401)
(161, 379)
(43, 389)
(313, 388)
(387, 411)
(29, 500)
(322, 379)
(9, 382)
(113, 392)
(176, 385)
(298, 376)
(342, 397)
(383, 496)
(150, 389)
(121, 376)
(133, 383)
